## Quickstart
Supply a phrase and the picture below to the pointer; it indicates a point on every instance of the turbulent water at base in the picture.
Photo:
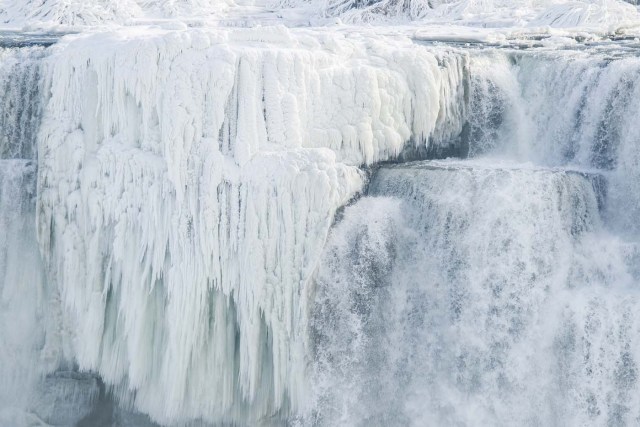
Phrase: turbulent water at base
(499, 286)
(503, 289)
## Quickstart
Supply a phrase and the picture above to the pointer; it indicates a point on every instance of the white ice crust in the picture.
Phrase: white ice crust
(187, 183)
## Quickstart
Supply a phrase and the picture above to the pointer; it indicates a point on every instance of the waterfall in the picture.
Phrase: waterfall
(35, 386)
(501, 289)
(297, 226)
(458, 293)
(22, 292)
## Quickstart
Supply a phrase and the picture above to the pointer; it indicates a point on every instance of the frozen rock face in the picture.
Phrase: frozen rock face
(187, 182)
(65, 398)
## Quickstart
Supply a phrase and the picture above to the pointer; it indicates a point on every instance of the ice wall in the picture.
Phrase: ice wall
(187, 182)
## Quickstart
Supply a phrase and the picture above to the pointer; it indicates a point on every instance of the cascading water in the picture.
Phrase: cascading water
(36, 387)
(491, 291)
(21, 275)
(476, 295)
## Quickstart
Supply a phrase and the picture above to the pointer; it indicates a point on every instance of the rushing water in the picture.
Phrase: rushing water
(503, 289)
(21, 277)
(30, 338)
(477, 295)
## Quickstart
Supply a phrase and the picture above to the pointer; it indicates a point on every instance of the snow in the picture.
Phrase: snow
(81, 14)
(490, 13)
(65, 15)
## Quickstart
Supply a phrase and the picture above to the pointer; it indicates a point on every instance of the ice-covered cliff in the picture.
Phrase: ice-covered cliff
(187, 182)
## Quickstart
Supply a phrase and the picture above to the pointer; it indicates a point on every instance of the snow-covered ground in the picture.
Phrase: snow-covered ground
(61, 15)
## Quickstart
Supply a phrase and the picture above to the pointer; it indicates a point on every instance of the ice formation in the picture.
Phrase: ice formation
(237, 156)
(173, 240)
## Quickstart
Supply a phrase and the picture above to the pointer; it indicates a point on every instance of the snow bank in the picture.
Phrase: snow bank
(78, 14)
(70, 12)
(606, 13)
(493, 13)
(187, 183)
(87, 13)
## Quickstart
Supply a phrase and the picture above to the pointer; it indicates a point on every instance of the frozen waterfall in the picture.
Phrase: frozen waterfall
(278, 226)
(38, 384)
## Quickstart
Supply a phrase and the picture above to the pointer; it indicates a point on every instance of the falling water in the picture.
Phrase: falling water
(503, 289)
(34, 388)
